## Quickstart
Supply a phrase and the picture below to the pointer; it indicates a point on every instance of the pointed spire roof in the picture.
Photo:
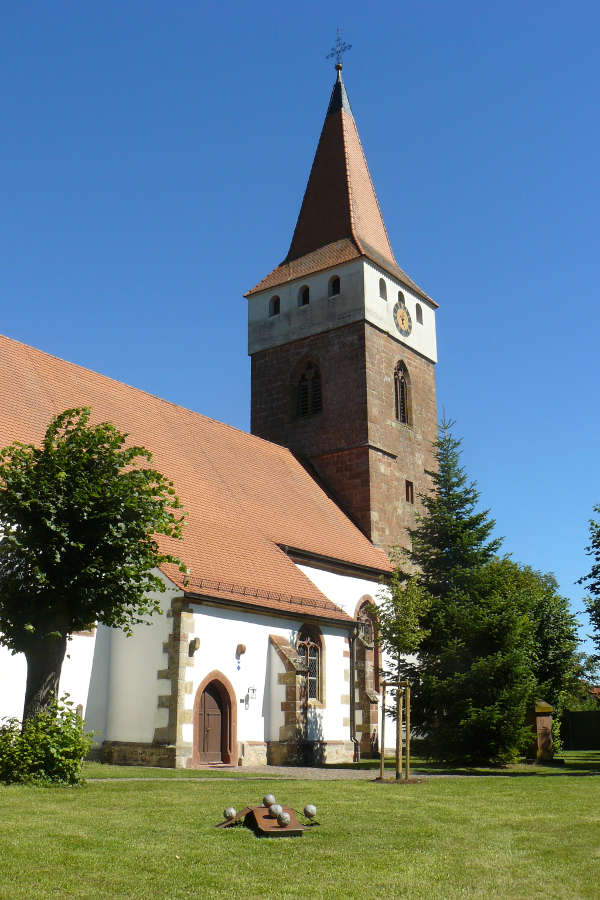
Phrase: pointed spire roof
(340, 218)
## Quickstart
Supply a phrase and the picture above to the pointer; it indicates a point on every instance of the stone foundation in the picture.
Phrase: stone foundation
(132, 753)
(309, 753)
(252, 753)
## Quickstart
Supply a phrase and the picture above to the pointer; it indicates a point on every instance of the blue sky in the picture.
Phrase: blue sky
(153, 162)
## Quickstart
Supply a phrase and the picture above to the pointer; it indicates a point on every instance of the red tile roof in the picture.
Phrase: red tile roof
(244, 496)
(340, 218)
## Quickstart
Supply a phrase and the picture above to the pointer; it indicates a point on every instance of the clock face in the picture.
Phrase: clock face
(402, 319)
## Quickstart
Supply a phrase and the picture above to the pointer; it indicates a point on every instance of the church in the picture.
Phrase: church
(265, 651)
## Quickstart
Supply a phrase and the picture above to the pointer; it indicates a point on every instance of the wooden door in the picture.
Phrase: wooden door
(210, 726)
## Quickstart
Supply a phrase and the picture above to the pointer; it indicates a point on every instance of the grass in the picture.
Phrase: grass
(446, 837)
(584, 762)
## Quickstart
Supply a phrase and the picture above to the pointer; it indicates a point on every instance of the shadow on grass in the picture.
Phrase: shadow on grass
(575, 763)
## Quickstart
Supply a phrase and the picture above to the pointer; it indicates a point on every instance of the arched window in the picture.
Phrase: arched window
(366, 626)
(304, 296)
(334, 286)
(309, 649)
(274, 305)
(402, 394)
(382, 289)
(308, 391)
(419, 314)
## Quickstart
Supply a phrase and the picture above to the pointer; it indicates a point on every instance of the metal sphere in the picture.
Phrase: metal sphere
(268, 800)
(310, 811)
(283, 819)
(275, 809)
(229, 812)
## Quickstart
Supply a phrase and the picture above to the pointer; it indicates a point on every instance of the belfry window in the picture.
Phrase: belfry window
(304, 296)
(402, 394)
(308, 392)
(334, 286)
(274, 306)
(308, 647)
(419, 311)
(382, 289)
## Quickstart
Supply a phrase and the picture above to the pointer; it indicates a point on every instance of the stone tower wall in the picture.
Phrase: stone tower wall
(361, 453)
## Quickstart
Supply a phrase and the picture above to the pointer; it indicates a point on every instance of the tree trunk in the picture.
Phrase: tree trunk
(44, 665)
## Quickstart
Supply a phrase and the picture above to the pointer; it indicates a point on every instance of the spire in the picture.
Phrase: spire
(340, 218)
(340, 201)
(339, 97)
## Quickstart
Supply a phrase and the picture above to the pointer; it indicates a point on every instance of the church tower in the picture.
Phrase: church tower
(343, 345)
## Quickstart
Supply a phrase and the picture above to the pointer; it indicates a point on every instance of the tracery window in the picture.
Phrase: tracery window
(402, 394)
(366, 628)
(308, 391)
(308, 647)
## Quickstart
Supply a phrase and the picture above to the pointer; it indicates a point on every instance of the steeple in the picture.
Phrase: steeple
(340, 218)
(343, 344)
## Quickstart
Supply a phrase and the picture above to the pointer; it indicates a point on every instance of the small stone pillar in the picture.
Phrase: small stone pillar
(540, 718)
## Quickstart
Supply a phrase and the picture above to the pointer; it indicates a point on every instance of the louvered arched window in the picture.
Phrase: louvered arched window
(402, 398)
(308, 391)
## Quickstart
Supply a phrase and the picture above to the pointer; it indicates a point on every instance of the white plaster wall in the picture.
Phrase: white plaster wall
(358, 299)
(220, 631)
(74, 680)
(343, 590)
(77, 668)
(13, 672)
(274, 715)
(259, 719)
(322, 313)
(337, 684)
(133, 688)
(380, 312)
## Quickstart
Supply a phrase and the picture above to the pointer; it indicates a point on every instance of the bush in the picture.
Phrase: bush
(48, 748)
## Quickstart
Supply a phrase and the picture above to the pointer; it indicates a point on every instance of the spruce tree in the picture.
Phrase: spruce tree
(473, 678)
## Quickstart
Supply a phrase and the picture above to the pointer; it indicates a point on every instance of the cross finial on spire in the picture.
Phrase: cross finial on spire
(340, 47)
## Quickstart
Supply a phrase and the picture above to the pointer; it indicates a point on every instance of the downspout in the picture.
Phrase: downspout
(352, 639)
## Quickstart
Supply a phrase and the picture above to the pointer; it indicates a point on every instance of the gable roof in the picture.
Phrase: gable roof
(340, 218)
(245, 497)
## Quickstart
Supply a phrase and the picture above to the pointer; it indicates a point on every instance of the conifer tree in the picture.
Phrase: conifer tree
(592, 579)
(474, 676)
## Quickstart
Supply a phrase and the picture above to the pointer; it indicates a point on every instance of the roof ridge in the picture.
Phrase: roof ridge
(348, 182)
(364, 157)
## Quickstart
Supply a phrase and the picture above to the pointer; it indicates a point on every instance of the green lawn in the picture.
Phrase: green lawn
(568, 761)
(95, 770)
(522, 836)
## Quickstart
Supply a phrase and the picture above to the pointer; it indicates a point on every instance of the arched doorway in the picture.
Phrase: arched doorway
(215, 738)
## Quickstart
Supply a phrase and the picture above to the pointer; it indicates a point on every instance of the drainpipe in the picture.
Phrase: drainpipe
(352, 638)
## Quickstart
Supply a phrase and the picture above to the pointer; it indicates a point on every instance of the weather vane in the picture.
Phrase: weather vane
(338, 49)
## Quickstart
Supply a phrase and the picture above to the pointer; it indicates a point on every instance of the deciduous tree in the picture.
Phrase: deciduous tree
(80, 516)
